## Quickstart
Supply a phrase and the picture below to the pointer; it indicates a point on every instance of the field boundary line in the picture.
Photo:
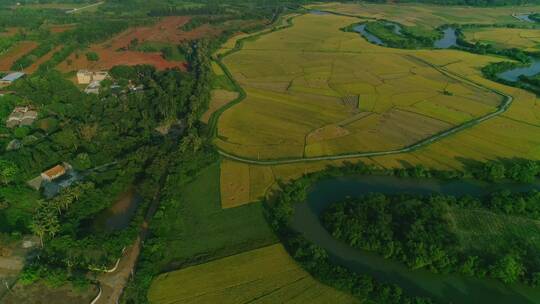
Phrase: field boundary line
(500, 109)
(213, 120)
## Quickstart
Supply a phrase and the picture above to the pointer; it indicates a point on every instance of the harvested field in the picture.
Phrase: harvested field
(219, 99)
(265, 275)
(14, 53)
(303, 80)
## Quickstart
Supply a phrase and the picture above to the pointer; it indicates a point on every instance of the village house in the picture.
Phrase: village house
(21, 116)
(55, 172)
(53, 180)
(11, 77)
(87, 77)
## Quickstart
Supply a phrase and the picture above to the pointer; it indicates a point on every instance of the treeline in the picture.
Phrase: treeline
(486, 48)
(416, 230)
(411, 230)
(207, 9)
(31, 18)
(315, 259)
(29, 58)
(425, 239)
(183, 168)
(387, 32)
(491, 71)
(267, 14)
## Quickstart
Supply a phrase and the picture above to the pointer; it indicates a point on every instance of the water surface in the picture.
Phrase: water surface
(448, 40)
(119, 215)
(361, 28)
(514, 74)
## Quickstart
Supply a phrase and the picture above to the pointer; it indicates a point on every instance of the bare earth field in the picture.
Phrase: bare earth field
(166, 30)
(14, 53)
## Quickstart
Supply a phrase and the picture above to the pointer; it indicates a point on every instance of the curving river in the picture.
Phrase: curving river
(448, 40)
(514, 74)
(361, 28)
(442, 287)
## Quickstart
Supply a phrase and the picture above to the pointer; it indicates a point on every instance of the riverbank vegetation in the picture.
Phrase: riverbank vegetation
(430, 232)
(191, 228)
(419, 230)
(399, 36)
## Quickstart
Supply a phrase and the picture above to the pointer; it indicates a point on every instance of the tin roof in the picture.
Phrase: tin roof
(13, 76)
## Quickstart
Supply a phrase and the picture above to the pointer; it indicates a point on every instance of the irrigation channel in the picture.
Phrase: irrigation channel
(503, 107)
(446, 288)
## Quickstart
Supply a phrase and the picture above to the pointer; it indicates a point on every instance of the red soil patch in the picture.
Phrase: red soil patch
(14, 53)
(109, 58)
(167, 30)
(37, 63)
(10, 31)
(60, 28)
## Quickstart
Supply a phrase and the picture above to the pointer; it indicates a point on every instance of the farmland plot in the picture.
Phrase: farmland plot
(297, 79)
(265, 275)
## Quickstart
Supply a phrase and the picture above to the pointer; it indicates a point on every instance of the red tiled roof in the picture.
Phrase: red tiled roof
(55, 171)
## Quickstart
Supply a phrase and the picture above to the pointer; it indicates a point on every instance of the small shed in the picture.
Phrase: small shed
(11, 77)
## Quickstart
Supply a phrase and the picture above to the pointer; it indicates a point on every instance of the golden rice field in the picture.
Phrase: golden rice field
(428, 16)
(298, 81)
(265, 275)
(516, 133)
(525, 39)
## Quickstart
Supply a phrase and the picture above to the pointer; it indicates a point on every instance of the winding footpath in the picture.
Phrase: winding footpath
(503, 107)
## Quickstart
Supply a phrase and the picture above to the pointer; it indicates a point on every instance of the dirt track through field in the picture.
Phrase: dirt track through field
(112, 284)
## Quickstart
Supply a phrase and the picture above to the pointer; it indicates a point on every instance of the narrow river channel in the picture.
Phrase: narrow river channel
(442, 287)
